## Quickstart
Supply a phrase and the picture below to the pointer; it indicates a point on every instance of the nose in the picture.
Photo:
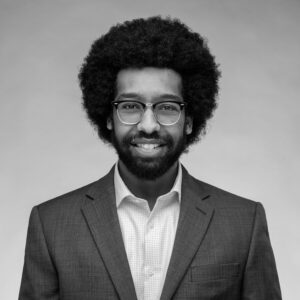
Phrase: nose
(148, 123)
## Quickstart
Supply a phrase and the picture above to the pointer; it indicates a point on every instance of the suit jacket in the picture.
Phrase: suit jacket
(222, 251)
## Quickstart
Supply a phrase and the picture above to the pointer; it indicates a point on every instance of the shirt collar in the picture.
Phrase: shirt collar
(122, 191)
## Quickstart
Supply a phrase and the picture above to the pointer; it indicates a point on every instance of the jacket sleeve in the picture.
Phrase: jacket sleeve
(39, 279)
(260, 279)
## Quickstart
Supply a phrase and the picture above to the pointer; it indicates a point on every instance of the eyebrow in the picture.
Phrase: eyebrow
(138, 96)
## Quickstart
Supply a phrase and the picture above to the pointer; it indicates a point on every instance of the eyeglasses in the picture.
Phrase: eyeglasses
(166, 112)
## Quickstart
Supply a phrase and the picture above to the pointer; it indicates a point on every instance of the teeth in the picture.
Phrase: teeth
(148, 146)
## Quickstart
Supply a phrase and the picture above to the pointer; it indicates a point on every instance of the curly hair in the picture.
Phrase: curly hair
(152, 42)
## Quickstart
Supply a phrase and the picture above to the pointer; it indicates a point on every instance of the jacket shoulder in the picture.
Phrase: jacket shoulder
(75, 198)
(221, 198)
(67, 199)
(64, 208)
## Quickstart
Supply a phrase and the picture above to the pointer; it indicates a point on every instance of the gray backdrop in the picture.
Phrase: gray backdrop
(251, 148)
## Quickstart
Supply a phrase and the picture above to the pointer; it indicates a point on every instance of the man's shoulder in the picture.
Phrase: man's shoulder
(67, 199)
(63, 207)
(73, 200)
(221, 198)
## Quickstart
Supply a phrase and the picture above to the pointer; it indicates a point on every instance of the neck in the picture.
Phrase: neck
(149, 189)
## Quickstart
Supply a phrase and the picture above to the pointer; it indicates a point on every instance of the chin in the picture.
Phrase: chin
(147, 170)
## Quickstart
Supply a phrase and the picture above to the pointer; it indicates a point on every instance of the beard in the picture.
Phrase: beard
(149, 168)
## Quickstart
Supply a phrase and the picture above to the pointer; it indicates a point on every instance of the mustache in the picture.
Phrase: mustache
(151, 136)
(143, 135)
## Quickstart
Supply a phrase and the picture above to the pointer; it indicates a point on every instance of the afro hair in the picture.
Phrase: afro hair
(152, 42)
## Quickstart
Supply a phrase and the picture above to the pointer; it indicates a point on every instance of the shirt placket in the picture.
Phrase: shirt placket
(152, 268)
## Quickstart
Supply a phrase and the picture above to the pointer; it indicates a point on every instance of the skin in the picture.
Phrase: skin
(149, 85)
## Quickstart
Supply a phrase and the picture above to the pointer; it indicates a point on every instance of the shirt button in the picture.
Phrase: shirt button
(149, 271)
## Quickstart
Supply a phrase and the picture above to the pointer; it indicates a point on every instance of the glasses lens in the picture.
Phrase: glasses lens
(167, 112)
(130, 112)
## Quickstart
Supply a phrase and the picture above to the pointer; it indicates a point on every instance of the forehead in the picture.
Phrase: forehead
(148, 82)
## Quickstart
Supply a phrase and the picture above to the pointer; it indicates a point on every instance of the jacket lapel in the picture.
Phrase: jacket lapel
(193, 223)
(101, 215)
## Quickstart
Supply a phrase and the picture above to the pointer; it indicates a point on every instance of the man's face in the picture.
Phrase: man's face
(148, 149)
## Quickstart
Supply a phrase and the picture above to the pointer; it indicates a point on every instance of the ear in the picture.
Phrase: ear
(109, 124)
(188, 125)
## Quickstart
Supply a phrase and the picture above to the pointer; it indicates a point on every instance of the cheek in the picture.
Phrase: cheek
(120, 130)
(181, 126)
(176, 132)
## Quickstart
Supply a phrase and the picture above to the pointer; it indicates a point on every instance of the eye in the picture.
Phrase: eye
(168, 107)
(130, 106)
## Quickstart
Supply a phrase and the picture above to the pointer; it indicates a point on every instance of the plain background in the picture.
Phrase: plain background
(252, 144)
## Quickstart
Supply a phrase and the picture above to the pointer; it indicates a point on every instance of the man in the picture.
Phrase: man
(149, 230)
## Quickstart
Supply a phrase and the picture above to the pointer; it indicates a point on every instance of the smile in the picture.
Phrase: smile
(148, 149)
(147, 146)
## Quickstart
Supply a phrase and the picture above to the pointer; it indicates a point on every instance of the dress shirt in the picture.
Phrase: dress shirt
(148, 235)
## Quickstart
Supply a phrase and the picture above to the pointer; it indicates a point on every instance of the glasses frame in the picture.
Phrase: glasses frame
(144, 105)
